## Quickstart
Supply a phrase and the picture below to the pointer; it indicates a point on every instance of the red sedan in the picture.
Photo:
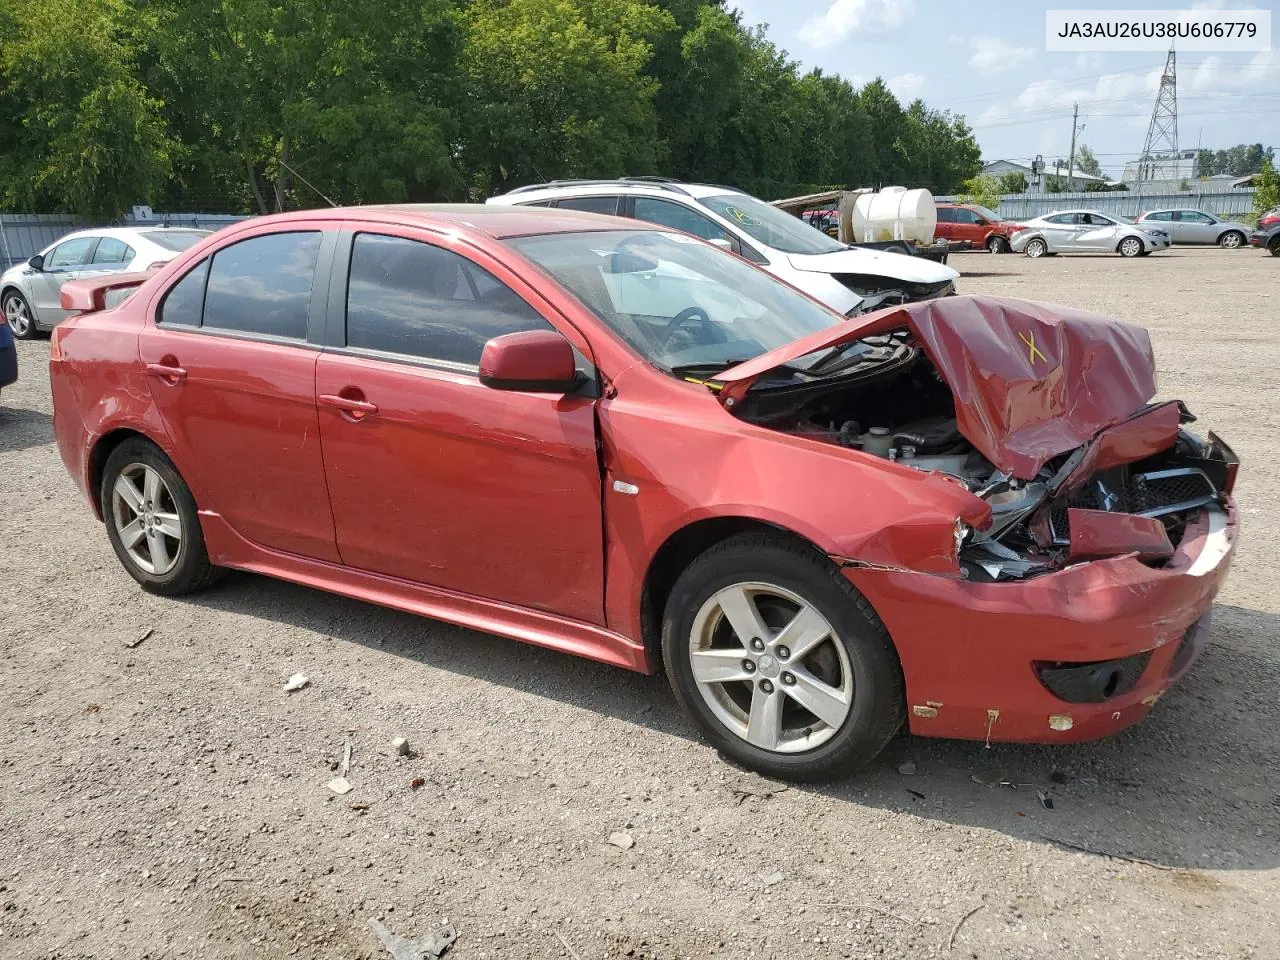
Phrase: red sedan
(611, 439)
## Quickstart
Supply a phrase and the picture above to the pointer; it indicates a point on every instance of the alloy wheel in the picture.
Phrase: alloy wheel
(771, 667)
(1035, 248)
(1231, 240)
(147, 519)
(17, 316)
(1130, 247)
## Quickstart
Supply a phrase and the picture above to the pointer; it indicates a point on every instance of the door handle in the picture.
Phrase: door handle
(165, 371)
(357, 408)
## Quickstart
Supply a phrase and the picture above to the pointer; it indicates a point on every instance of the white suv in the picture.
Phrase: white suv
(848, 279)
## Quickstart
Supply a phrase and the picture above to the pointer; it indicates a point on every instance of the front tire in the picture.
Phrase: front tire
(1231, 240)
(152, 521)
(1036, 249)
(997, 245)
(1274, 247)
(1130, 247)
(17, 313)
(781, 663)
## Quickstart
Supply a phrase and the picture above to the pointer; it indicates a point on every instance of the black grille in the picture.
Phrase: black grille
(1093, 682)
(1154, 493)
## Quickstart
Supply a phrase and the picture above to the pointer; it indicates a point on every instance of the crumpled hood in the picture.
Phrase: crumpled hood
(1031, 380)
(896, 266)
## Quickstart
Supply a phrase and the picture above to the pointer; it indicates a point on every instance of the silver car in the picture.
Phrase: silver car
(29, 291)
(1087, 231)
(1193, 226)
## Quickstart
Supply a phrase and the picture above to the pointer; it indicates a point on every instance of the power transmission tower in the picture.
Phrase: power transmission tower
(1162, 132)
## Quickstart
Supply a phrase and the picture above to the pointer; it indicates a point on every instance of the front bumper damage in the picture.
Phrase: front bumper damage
(982, 661)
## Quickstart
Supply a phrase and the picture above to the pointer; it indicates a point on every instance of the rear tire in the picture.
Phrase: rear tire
(1231, 240)
(1130, 247)
(152, 521)
(997, 245)
(1036, 249)
(844, 664)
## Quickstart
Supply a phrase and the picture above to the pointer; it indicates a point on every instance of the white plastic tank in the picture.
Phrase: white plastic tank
(895, 213)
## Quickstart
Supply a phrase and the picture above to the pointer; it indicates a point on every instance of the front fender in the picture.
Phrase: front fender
(854, 507)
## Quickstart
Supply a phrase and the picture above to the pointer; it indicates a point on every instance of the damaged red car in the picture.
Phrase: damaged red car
(964, 515)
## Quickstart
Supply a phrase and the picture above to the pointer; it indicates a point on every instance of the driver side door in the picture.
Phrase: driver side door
(434, 477)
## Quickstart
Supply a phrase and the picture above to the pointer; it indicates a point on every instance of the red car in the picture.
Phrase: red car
(984, 229)
(619, 441)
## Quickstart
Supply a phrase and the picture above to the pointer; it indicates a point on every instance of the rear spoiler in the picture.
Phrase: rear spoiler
(90, 295)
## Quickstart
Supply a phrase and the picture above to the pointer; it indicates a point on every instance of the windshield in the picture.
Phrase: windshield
(176, 240)
(680, 303)
(769, 225)
(1116, 216)
(988, 214)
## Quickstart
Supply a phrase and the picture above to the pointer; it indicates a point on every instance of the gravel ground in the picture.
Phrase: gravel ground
(170, 799)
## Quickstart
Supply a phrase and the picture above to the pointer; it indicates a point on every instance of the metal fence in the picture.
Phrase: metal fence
(1022, 206)
(24, 235)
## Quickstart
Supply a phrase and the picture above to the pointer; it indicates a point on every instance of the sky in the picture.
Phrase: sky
(987, 62)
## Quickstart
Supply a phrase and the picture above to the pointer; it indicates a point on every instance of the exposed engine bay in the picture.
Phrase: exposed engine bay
(884, 397)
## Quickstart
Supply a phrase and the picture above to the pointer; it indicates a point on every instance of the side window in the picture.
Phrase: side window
(418, 300)
(607, 205)
(110, 250)
(1164, 216)
(1192, 216)
(1061, 218)
(263, 285)
(679, 217)
(946, 215)
(69, 254)
(184, 302)
(966, 216)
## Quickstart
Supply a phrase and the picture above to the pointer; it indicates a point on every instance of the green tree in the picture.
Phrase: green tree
(1266, 188)
(78, 131)
(1204, 163)
(941, 151)
(1086, 162)
(558, 88)
(984, 191)
(1012, 183)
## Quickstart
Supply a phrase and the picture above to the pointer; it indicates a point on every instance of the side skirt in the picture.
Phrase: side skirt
(227, 548)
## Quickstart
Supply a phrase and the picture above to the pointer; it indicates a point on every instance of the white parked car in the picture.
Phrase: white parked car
(29, 291)
(1087, 231)
(848, 279)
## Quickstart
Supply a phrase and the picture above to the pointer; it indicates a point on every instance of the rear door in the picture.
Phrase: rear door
(64, 262)
(1060, 232)
(232, 358)
(1162, 220)
(434, 477)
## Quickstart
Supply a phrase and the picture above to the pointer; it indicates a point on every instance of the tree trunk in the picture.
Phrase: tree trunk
(282, 174)
(253, 182)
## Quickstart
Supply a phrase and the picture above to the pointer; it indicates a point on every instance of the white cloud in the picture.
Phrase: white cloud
(906, 86)
(843, 18)
(994, 55)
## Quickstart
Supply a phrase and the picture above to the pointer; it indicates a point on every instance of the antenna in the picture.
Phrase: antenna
(306, 181)
(1162, 132)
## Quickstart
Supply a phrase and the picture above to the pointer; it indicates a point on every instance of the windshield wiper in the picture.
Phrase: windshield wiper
(719, 366)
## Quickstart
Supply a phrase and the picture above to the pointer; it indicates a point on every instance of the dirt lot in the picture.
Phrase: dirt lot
(170, 800)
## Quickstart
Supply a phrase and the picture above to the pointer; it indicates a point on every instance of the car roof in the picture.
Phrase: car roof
(498, 222)
(640, 187)
(128, 233)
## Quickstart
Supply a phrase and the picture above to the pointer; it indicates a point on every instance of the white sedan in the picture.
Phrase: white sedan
(1087, 231)
(29, 291)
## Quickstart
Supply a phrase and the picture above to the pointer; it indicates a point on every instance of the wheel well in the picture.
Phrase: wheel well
(98, 460)
(8, 289)
(681, 549)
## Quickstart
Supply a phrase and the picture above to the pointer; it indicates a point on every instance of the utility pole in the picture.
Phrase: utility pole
(1071, 161)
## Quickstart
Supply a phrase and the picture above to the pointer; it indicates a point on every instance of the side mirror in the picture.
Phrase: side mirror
(36, 262)
(536, 361)
(722, 243)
